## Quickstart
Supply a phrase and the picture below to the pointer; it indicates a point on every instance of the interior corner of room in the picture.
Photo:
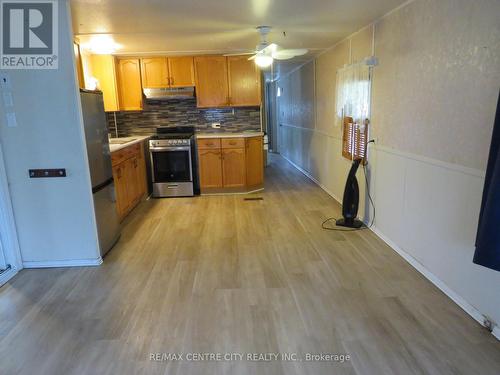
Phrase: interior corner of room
(280, 187)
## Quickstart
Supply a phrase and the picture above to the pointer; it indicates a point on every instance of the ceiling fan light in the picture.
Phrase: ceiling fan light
(263, 61)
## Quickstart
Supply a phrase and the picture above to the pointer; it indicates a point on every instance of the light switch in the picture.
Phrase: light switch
(11, 120)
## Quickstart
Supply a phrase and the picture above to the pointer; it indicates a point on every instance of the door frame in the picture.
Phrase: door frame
(272, 116)
(8, 232)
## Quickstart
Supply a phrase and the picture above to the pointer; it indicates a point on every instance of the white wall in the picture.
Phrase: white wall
(433, 105)
(54, 216)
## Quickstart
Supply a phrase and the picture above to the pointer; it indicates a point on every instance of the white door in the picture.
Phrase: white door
(10, 257)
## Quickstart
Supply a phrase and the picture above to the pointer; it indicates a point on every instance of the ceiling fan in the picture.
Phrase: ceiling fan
(265, 53)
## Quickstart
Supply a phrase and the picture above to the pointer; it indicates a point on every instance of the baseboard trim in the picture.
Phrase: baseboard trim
(308, 175)
(496, 332)
(463, 304)
(7, 275)
(63, 263)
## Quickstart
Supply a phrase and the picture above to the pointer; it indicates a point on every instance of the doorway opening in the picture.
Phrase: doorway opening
(271, 116)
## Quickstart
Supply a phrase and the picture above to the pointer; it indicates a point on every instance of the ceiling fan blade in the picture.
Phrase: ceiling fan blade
(286, 54)
(239, 53)
(271, 48)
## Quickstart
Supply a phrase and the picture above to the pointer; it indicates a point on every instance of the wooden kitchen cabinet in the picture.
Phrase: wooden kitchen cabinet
(129, 173)
(181, 71)
(103, 68)
(129, 84)
(222, 82)
(244, 82)
(254, 158)
(154, 72)
(159, 72)
(122, 201)
(211, 81)
(230, 164)
(79, 65)
(210, 168)
(141, 176)
(233, 167)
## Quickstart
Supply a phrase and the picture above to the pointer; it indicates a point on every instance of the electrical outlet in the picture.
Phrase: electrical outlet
(215, 125)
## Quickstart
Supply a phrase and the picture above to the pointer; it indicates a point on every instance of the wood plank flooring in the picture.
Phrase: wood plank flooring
(221, 274)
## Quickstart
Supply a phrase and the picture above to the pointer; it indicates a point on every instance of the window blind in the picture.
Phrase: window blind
(354, 139)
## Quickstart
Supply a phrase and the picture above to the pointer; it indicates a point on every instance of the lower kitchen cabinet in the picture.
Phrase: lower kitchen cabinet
(129, 173)
(254, 161)
(122, 203)
(230, 164)
(210, 168)
(233, 167)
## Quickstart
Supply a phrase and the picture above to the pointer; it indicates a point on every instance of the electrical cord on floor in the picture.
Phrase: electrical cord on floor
(370, 200)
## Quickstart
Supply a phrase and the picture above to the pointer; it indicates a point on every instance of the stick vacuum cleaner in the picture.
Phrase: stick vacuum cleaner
(350, 201)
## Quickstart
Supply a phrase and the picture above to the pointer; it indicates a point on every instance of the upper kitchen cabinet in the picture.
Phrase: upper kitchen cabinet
(158, 72)
(104, 70)
(129, 84)
(181, 71)
(79, 65)
(211, 81)
(244, 82)
(154, 72)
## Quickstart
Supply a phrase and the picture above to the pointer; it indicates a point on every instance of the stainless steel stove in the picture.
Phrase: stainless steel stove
(173, 162)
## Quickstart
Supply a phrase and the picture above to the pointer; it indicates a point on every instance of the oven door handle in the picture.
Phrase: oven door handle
(182, 148)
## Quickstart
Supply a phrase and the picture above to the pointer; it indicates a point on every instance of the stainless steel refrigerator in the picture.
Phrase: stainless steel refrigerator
(101, 173)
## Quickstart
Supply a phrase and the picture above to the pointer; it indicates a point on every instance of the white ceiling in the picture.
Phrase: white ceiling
(222, 26)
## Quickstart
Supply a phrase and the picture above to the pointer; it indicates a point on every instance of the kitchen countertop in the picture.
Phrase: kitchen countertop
(128, 141)
(229, 135)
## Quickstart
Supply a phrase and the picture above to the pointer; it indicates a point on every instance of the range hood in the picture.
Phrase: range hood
(169, 93)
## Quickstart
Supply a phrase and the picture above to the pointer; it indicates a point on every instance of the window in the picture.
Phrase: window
(353, 109)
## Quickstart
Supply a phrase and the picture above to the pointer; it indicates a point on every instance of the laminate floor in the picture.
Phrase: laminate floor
(221, 274)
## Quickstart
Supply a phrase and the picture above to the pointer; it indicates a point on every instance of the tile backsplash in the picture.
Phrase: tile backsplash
(179, 112)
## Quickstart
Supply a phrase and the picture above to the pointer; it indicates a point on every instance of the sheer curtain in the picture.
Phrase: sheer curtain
(353, 93)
